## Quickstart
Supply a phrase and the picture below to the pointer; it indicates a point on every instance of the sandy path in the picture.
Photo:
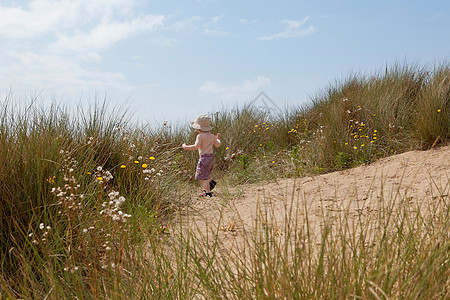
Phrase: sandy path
(357, 192)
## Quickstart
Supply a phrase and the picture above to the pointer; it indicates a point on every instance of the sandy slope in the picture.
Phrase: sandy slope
(420, 177)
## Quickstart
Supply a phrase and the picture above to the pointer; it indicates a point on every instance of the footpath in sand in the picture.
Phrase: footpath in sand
(420, 177)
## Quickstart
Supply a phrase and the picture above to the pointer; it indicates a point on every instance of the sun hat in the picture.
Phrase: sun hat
(202, 122)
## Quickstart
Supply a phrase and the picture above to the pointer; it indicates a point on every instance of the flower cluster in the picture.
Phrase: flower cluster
(263, 126)
(68, 195)
(40, 238)
(231, 156)
(103, 176)
(112, 208)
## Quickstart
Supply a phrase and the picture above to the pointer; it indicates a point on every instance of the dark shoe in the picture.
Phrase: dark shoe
(212, 184)
(205, 194)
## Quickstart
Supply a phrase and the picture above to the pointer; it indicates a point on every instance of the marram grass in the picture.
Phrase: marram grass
(85, 196)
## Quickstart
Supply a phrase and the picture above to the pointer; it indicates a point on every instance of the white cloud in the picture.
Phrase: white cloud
(200, 24)
(229, 92)
(215, 33)
(191, 23)
(30, 70)
(106, 34)
(293, 30)
(47, 43)
(49, 16)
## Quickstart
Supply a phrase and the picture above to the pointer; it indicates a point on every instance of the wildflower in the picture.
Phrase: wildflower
(355, 147)
(151, 158)
(99, 178)
(256, 126)
(123, 166)
(89, 173)
(99, 168)
(438, 110)
(227, 148)
(375, 131)
(144, 166)
(362, 145)
(273, 161)
(136, 161)
(41, 226)
(139, 157)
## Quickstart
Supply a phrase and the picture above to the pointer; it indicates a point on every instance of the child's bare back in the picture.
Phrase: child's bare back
(205, 142)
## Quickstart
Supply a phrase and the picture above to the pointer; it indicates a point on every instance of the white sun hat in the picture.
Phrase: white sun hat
(202, 122)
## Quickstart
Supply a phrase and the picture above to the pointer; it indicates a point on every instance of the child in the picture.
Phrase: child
(204, 144)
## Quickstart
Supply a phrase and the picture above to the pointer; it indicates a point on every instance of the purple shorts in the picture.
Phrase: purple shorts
(205, 166)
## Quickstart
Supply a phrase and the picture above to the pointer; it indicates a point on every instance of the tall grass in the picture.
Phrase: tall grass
(85, 196)
(396, 251)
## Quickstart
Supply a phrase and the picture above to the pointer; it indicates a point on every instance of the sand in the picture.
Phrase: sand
(420, 177)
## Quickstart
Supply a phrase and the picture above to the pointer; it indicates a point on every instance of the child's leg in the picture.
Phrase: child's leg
(205, 185)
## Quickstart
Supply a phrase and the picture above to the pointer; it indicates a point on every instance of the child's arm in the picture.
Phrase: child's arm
(217, 142)
(192, 147)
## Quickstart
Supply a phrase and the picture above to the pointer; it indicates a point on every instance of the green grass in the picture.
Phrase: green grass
(49, 169)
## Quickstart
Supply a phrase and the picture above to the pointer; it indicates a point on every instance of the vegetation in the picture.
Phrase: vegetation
(85, 198)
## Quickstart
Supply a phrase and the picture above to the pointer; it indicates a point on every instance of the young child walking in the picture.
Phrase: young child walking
(204, 144)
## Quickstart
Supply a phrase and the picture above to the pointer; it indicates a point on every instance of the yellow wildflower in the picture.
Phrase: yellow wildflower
(151, 158)
(123, 166)
(144, 166)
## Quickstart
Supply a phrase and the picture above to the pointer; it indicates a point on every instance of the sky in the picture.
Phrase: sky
(169, 60)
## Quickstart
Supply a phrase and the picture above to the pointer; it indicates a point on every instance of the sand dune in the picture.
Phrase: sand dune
(420, 177)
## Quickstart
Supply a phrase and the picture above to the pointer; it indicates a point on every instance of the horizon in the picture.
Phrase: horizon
(174, 60)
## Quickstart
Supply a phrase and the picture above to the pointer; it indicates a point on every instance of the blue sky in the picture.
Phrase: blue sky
(171, 60)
